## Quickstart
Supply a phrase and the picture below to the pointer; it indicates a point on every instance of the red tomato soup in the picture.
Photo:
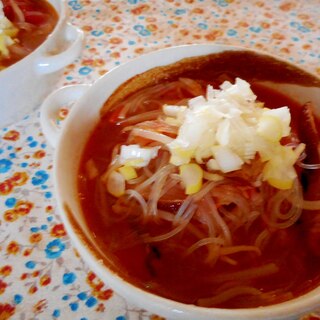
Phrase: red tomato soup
(31, 23)
(194, 230)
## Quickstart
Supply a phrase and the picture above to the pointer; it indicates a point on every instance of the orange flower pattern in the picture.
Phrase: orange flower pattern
(41, 273)
(6, 311)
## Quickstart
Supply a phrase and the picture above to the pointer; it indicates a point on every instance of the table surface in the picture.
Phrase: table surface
(41, 274)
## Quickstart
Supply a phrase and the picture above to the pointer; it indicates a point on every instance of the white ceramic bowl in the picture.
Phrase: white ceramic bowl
(69, 147)
(25, 84)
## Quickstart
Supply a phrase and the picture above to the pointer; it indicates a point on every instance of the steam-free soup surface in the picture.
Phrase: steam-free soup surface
(283, 266)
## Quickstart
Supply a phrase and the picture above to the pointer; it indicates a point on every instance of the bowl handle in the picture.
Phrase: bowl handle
(50, 63)
(65, 96)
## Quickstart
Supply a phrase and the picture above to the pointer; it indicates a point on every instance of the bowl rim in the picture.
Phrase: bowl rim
(164, 306)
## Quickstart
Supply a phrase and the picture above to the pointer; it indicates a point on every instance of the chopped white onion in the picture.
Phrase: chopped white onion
(116, 184)
(227, 160)
(283, 114)
(173, 111)
(136, 156)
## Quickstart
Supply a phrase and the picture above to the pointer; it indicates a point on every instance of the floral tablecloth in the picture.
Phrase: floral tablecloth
(41, 274)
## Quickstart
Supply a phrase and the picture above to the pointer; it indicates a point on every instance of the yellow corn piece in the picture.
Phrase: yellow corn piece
(191, 175)
(212, 176)
(11, 32)
(279, 171)
(3, 47)
(128, 172)
(134, 162)
(280, 183)
(181, 156)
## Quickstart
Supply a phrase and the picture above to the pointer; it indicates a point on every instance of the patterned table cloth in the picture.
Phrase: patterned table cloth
(41, 274)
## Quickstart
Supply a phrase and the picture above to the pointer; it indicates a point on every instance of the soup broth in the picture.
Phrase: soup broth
(229, 251)
(33, 21)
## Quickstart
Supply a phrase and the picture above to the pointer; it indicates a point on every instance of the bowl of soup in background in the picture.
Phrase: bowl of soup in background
(25, 83)
(84, 224)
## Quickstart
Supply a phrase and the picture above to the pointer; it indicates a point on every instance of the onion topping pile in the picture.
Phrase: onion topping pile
(217, 134)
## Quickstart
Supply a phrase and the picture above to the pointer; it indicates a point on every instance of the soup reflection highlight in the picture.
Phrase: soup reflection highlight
(202, 187)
